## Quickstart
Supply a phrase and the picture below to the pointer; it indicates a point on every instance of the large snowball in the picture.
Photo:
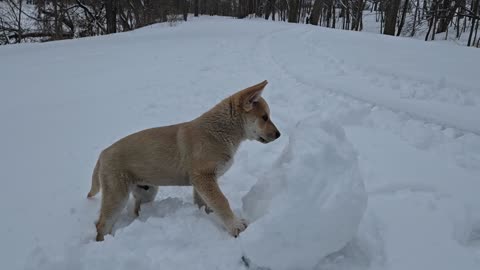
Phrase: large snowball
(310, 204)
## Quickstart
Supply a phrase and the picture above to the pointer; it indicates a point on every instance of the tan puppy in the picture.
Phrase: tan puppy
(192, 153)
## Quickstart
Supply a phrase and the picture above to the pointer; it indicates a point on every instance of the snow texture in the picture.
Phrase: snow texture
(409, 109)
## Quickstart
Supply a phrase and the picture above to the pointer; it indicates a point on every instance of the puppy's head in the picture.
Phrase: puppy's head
(256, 114)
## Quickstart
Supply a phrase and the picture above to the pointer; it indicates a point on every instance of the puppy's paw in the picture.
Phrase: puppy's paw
(207, 209)
(236, 226)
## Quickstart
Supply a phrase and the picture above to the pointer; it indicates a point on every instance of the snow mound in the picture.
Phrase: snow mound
(310, 204)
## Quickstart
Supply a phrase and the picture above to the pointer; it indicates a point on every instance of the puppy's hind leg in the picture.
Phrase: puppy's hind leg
(143, 194)
(114, 198)
(200, 202)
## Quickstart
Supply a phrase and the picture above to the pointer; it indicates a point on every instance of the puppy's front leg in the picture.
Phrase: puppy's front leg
(205, 184)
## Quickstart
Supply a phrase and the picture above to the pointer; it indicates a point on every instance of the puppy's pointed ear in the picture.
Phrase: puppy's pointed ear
(251, 95)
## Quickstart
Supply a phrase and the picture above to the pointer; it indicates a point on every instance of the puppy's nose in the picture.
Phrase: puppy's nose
(277, 134)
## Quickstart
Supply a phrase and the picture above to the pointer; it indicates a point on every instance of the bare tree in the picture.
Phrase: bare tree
(315, 15)
(415, 18)
(293, 7)
(402, 20)
(474, 16)
(195, 7)
(111, 15)
(391, 11)
(11, 22)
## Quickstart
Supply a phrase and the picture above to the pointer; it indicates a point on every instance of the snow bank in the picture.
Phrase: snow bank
(310, 204)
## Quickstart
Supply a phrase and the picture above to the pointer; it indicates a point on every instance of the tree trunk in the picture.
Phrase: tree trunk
(293, 11)
(446, 15)
(251, 7)
(268, 9)
(348, 16)
(242, 9)
(333, 13)
(185, 8)
(357, 12)
(19, 21)
(429, 28)
(424, 9)
(478, 40)
(391, 10)
(56, 21)
(111, 14)
(402, 20)
(415, 18)
(435, 19)
(475, 9)
(315, 15)
(382, 22)
(328, 8)
(195, 8)
(441, 15)
(475, 37)
(273, 10)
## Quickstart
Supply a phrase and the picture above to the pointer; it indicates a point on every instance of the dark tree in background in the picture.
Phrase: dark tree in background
(475, 19)
(293, 11)
(391, 11)
(195, 8)
(404, 14)
(316, 9)
(111, 15)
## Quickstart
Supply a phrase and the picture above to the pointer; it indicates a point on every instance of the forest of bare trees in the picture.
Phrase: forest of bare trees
(44, 20)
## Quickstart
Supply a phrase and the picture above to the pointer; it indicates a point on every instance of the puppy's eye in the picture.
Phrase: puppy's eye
(265, 118)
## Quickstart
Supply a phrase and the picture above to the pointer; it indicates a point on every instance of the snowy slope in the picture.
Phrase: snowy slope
(410, 109)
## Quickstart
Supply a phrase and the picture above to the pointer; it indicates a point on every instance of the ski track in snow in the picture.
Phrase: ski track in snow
(420, 162)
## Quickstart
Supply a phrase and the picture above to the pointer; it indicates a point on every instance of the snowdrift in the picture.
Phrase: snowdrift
(310, 204)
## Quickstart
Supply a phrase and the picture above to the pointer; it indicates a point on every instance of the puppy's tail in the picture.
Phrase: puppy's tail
(95, 181)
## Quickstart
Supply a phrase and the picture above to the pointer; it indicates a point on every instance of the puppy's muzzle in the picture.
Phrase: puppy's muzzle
(270, 138)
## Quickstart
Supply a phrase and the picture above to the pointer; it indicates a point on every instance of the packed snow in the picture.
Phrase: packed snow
(309, 204)
(363, 118)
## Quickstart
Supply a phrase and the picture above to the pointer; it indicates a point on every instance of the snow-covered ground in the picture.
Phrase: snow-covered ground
(398, 114)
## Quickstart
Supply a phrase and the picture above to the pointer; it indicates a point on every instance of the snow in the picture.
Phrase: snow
(408, 109)
(309, 204)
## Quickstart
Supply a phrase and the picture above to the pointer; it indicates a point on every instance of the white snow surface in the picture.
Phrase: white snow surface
(311, 202)
(409, 109)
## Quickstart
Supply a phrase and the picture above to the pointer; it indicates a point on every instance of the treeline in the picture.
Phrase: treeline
(43, 20)
(401, 17)
(63, 19)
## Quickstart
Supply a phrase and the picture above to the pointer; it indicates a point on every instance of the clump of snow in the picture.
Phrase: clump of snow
(310, 204)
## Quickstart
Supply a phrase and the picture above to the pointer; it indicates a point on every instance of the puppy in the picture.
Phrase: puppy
(194, 153)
